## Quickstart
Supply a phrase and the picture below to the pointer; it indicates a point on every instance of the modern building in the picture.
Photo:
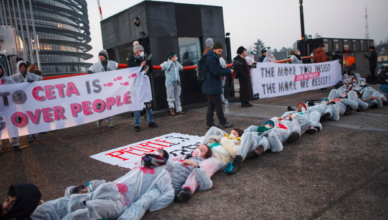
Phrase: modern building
(63, 31)
(162, 28)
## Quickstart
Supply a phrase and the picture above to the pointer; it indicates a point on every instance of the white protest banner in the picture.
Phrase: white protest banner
(272, 79)
(28, 108)
(130, 155)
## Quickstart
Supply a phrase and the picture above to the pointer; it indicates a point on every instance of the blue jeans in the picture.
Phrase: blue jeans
(384, 88)
(150, 117)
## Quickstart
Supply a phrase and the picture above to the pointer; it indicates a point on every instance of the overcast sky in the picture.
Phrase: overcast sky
(276, 22)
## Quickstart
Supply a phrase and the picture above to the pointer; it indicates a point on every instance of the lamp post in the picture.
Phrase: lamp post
(303, 49)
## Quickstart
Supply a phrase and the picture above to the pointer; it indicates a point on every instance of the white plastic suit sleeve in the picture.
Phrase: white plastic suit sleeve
(249, 142)
(51, 210)
(213, 131)
(166, 198)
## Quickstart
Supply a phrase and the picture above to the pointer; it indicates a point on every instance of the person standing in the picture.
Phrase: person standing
(209, 45)
(346, 49)
(173, 83)
(320, 55)
(104, 65)
(23, 76)
(3, 81)
(212, 85)
(138, 59)
(372, 62)
(244, 78)
(263, 55)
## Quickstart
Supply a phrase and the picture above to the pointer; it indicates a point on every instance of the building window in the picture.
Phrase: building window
(189, 50)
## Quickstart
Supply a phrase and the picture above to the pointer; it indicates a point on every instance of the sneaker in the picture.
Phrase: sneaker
(152, 125)
(183, 196)
(36, 137)
(110, 125)
(325, 117)
(294, 136)
(172, 112)
(385, 103)
(137, 128)
(17, 148)
(209, 126)
(246, 105)
(374, 105)
(226, 125)
(259, 150)
(232, 168)
(180, 113)
(289, 108)
(99, 122)
(348, 110)
(30, 139)
(311, 130)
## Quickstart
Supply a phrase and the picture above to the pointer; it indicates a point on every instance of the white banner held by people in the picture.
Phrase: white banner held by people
(130, 155)
(29, 108)
(272, 79)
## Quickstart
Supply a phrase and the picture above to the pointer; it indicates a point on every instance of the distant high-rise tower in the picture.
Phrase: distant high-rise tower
(366, 24)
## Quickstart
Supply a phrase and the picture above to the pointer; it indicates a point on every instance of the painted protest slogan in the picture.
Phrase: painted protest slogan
(271, 79)
(129, 156)
(28, 108)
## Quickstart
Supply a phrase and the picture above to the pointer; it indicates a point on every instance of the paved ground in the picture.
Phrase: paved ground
(341, 172)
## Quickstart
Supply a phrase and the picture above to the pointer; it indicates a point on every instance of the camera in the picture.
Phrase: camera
(237, 65)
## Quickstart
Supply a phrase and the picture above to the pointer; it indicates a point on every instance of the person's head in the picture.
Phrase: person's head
(21, 201)
(38, 72)
(301, 107)
(252, 54)
(203, 151)
(350, 85)
(297, 52)
(354, 80)
(362, 83)
(23, 68)
(171, 56)
(269, 124)
(322, 46)
(236, 132)
(372, 48)
(163, 154)
(32, 68)
(242, 51)
(103, 55)
(325, 101)
(137, 48)
(263, 53)
(218, 49)
(209, 43)
(346, 47)
(292, 52)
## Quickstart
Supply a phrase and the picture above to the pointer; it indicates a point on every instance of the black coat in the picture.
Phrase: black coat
(372, 58)
(134, 61)
(214, 72)
(261, 59)
(244, 77)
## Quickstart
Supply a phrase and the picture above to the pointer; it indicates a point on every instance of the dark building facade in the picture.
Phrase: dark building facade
(164, 28)
(63, 30)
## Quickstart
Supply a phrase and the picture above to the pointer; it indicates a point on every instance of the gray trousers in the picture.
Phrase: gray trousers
(173, 96)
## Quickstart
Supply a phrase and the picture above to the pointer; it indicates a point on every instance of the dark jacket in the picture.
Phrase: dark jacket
(214, 72)
(372, 58)
(261, 59)
(27, 199)
(337, 56)
(134, 61)
(346, 51)
(320, 56)
(244, 77)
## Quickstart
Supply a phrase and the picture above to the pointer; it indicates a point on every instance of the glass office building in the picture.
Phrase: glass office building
(63, 30)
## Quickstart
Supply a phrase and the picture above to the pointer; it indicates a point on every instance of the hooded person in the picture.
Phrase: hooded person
(209, 45)
(104, 65)
(244, 78)
(263, 55)
(173, 83)
(296, 58)
(23, 76)
(5, 80)
(269, 57)
(320, 55)
(21, 202)
(147, 187)
(303, 123)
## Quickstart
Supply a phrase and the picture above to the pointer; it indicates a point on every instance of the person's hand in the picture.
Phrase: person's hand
(189, 163)
(143, 63)
(374, 97)
(279, 119)
(232, 70)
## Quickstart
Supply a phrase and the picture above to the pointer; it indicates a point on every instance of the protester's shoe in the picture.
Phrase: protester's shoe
(311, 130)
(385, 103)
(323, 89)
(152, 125)
(359, 110)
(348, 110)
(289, 108)
(294, 136)
(172, 112)
(36, 137)
(246, 105)
(209, 126)
(226, 125)
(137, 129)
(30, 138)
(325, 117)
(99, 122)
(374, 105)
(111, 125)
(180, 113)
(232, 168)
(259, 150)
(17, 148)
(183, 196)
